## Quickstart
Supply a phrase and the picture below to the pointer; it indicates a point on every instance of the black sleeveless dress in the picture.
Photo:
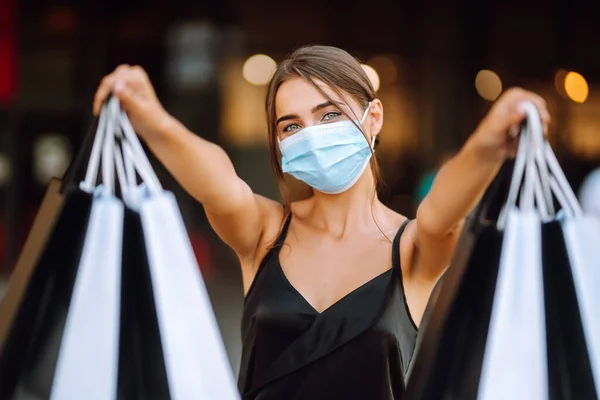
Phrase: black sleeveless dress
(359, 348)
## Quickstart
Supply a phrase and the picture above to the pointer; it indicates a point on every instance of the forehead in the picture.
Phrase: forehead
(297, 96)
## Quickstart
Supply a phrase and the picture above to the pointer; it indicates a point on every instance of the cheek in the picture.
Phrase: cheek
(281, 136)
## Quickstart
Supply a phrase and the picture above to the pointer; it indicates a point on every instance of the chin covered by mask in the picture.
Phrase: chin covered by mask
(328, 157)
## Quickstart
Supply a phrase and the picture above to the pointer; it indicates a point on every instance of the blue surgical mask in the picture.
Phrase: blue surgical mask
(328, 157)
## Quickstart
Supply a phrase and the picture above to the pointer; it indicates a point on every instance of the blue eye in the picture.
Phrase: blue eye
(331, 115)
(291, 128)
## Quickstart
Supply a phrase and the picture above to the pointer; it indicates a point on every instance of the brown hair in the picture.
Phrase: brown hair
(340, 71)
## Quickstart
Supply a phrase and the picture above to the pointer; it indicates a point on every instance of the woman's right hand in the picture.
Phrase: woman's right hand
(131, 85)
(202, 168)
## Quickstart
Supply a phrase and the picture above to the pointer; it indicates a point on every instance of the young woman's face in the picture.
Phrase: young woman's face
(299, 104)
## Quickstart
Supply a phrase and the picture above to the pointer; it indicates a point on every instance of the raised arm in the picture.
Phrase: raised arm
(460, 183)
(203, 168)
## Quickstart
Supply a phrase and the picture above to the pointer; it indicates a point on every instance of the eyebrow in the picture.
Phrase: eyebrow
(313, 110)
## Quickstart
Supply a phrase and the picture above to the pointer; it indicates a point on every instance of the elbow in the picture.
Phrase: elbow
(433, 222)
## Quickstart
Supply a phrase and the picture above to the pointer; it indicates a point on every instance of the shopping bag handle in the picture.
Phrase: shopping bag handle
(560, 185)
(536, 181)
(102, 143)
(135, 157)
(73, 174)
(552, 178)
(531, 178)
(116, 146)
(103, 153)
(121, 175)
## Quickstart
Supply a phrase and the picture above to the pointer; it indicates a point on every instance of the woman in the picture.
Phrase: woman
(335, 284)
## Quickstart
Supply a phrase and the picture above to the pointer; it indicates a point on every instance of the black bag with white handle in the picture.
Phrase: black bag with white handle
(540, 340)
(66, 298)
(100, 321)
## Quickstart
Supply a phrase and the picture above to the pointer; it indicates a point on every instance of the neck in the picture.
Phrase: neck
(352, 210)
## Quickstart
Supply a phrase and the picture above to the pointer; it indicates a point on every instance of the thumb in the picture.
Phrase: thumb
(124, 93)
(516, 115)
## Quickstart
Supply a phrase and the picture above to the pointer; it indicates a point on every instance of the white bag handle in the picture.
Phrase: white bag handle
(517, 178)
(532, 171)
(561, 187)
(536, 183)
(553, 179)
(135, 152)
(118, 146)
(91, 175)
(135, 163)
(527, 200)
(540, 166)
(105, 152)
(121, 174)
(108, 148)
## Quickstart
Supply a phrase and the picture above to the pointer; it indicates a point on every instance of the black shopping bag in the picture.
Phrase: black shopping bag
(569, 368)
(142, 373)
(33, 313)
(452, 336)
(42, 227)
(30, 350)
(529, 335)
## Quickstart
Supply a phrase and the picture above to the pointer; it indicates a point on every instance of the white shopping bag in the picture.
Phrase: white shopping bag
(88, 359)
(196, 362)
(514, 365)
(515, 358)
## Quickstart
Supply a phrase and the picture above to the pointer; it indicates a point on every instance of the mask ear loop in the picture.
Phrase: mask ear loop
(365, 114)
(362, 120)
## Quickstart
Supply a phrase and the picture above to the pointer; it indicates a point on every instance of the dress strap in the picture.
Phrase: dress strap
(398, 270)
(284, 231)
(273, 251)
(396, 245)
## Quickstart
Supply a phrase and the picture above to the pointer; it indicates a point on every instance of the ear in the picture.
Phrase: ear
(374, 120)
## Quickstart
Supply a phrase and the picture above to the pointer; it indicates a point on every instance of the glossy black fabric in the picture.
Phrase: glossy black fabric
(359, 348)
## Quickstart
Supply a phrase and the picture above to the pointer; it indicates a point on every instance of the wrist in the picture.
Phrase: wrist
(164, 126)
(480, 148)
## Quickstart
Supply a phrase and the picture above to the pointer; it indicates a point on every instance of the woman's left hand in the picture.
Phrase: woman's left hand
(497, 134)
(459, 184)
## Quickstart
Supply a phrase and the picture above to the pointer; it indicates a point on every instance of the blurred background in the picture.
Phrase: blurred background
(437, 67)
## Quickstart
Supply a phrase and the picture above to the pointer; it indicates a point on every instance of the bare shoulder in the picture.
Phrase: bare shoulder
(393, 222)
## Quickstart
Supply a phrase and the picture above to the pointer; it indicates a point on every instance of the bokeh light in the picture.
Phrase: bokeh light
(259, 69)
(385, 67)
(373, 76)
(488, 84)
(51, 156)
(5, 169)
(576, 87)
